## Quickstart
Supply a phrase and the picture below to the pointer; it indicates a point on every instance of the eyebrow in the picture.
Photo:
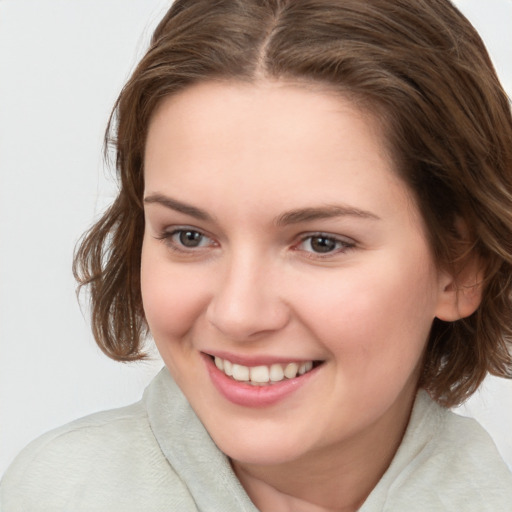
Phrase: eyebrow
(174, 204)
(291, 217)
(324, 212)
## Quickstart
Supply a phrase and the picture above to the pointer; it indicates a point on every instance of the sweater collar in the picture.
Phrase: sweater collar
(190, 450)
(207, 472)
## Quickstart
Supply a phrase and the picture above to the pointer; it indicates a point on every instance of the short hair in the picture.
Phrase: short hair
(419, 66)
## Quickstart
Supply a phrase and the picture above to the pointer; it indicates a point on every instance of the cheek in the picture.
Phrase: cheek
(172, 299)
(378, 318)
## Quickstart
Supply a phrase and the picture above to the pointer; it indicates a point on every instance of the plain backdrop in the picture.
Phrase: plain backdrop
(62, 64)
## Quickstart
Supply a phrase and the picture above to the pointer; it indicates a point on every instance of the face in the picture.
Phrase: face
(282, 247)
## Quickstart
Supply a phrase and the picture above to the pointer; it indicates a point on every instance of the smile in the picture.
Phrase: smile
(256, 384)
(263, 375)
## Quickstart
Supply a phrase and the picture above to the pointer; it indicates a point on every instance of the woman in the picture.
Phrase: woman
(314, 224)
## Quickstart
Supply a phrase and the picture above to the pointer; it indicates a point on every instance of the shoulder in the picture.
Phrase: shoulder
(98, 461)
(450, 463)
(97, 432)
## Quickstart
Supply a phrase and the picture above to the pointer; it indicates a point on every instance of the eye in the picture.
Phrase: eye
(186, 239)
(189, 238)
(320, 243)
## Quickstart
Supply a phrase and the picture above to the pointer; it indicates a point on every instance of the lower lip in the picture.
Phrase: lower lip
(246, 395)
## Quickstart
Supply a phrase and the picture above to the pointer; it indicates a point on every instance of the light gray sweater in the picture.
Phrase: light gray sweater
(156, 456)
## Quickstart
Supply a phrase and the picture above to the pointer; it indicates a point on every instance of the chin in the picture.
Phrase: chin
(257, 451)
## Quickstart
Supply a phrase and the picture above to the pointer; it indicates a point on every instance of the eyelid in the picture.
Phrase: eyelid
(166, 236)
(347, 244)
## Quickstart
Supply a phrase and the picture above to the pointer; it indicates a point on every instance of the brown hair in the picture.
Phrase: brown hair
(420, 64)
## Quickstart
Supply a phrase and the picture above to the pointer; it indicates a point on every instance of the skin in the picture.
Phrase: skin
(256, 285)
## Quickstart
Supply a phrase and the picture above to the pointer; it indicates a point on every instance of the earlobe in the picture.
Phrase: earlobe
(461, 295)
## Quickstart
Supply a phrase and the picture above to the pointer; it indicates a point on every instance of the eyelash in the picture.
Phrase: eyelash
(342, 245)
(167, 238)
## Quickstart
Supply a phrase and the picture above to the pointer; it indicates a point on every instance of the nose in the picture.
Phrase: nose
(247, 302)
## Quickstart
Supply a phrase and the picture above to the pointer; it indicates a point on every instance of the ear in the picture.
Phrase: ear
(460, 294)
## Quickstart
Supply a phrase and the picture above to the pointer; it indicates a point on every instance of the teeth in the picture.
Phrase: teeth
(228, 367)
(291, 370)
(276, 373)
(305, 367)
(240, 372)
(262, 375)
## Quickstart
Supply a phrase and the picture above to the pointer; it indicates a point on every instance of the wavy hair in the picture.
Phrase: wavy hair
(420, 66)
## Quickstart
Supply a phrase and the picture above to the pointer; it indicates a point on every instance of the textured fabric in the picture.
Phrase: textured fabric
(444, 463)
(155, 455)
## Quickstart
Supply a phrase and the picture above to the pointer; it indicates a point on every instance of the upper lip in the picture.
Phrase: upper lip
(256, 360)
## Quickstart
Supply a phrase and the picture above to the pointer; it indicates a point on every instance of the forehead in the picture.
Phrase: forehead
(273, 141)
(254, 108)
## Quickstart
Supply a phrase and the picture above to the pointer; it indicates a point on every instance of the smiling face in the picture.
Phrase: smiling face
(279, 237)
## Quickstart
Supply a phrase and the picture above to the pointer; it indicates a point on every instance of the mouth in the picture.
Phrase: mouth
(264, 375)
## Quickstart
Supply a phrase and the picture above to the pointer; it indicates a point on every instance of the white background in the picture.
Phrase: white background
(62, 64)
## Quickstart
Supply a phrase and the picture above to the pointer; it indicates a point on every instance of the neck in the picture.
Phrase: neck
(338, 478)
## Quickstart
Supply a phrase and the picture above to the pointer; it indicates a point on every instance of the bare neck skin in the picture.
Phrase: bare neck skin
(332, 480)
